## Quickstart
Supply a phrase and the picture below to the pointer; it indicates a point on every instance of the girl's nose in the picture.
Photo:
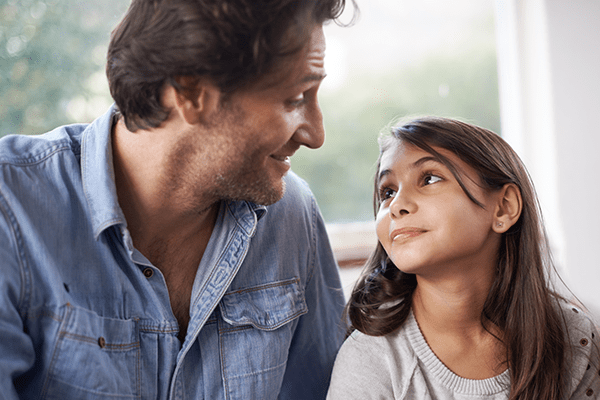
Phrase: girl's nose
(403, 203)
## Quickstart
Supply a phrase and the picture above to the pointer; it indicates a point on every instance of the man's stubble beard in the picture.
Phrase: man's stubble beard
(249, 185)
(243, 180)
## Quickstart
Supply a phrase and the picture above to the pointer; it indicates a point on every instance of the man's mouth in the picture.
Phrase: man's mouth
(280, 158)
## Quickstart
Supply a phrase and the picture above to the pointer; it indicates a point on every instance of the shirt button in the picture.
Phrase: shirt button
(589, 392)
(101, 342)
(148, 272)
(583, 342)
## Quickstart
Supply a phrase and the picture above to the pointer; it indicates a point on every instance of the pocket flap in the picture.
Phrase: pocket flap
(265, 307)
(88, 327)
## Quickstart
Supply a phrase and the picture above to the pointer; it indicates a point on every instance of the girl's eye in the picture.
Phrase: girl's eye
(386, 193)
(429, 179)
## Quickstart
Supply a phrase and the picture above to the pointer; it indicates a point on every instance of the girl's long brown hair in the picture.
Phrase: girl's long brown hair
(520, 303)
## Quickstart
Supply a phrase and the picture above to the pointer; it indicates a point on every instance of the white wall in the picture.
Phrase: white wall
(549, 77)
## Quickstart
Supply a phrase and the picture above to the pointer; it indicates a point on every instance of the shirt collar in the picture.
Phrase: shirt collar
(246, 215)
(98, 174)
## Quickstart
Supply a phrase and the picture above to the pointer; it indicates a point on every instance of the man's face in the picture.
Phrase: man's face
(246, 150)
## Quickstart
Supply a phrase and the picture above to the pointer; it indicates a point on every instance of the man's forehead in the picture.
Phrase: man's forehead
(303, 66)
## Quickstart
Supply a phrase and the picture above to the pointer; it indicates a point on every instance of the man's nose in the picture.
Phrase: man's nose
(312, 132)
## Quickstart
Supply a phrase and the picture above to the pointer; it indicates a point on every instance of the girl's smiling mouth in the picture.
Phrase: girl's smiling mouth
(406, 233)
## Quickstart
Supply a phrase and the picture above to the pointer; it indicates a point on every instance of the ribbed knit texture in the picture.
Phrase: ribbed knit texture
(437, 370)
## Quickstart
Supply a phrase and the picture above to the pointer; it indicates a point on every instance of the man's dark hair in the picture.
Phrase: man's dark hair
(230, 42)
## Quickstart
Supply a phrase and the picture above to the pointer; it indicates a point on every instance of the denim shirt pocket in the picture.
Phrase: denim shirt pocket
(94, 358)
(256, 329)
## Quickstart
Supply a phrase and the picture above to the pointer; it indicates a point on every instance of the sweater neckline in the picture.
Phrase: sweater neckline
(449, 379)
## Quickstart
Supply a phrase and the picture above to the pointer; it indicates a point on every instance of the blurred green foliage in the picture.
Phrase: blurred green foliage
(52, 57)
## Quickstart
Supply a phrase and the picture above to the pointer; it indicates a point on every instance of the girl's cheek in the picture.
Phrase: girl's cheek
(382, 226)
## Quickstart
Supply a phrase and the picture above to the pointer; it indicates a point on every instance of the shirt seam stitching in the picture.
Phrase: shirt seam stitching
(313, 242)
(46, 385)
(262, 371)
(26, 278)
(265, 286)
(32, 160)
(264, 329)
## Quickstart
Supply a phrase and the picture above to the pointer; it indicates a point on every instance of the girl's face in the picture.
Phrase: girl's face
(426, 223)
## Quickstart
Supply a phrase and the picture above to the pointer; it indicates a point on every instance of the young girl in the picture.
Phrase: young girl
(455, 301)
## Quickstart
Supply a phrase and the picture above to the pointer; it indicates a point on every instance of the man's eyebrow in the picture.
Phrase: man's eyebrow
(313, 77)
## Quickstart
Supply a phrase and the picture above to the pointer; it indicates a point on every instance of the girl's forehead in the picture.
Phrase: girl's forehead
(400, 156)
(399, 152)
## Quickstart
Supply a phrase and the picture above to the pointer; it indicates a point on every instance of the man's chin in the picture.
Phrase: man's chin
(261, 193)
(272, 196)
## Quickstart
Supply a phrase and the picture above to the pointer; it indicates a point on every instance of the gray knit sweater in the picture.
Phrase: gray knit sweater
(402, 366)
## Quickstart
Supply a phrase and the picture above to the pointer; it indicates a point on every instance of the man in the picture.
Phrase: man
(162, 252)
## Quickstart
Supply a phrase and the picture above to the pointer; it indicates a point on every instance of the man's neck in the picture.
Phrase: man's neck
(153, 213)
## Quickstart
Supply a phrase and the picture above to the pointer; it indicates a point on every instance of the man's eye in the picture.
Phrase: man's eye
(430, 179)
(296, 101)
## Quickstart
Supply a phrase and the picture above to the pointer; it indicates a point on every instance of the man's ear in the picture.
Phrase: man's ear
(196, 99)
(508, 208)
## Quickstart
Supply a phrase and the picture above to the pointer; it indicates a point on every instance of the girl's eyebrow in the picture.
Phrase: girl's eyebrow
(425, 159)
(414, 165)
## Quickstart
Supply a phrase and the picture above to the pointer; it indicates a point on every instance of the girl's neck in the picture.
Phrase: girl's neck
(452, 306)
(449, 317)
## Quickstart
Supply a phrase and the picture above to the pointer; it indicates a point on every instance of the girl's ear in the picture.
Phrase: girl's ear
(508, 208)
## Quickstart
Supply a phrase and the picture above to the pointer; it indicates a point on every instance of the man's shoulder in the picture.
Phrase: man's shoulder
(30, 149)
(32, 165)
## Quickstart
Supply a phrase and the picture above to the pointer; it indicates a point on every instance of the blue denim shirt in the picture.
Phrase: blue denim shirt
(83, 315)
